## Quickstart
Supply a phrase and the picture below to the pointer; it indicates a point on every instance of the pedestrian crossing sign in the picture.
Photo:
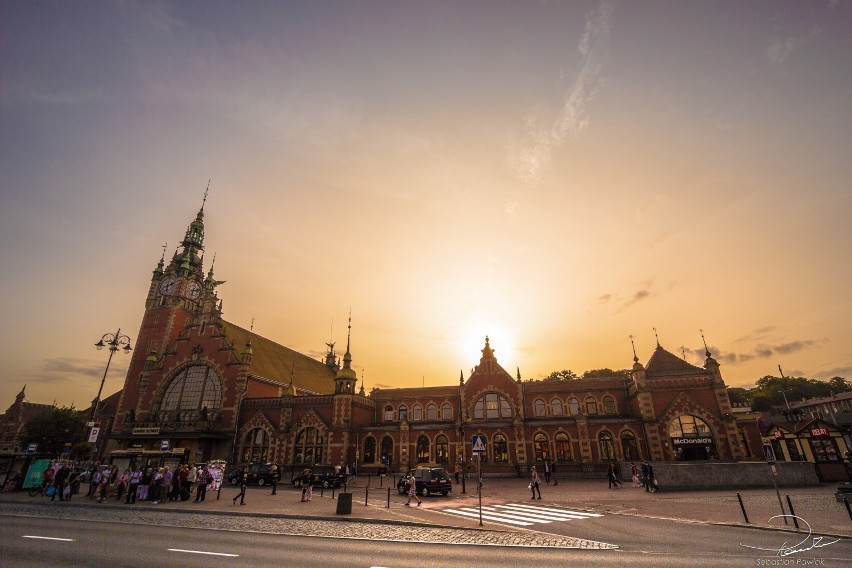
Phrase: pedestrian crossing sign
(477, 444)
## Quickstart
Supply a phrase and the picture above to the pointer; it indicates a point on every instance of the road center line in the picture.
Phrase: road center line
(201, 552)
(47, 538)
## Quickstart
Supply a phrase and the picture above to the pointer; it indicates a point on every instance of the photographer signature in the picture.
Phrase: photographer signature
(801, 546)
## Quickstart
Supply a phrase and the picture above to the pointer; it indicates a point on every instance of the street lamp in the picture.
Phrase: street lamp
(114, 342)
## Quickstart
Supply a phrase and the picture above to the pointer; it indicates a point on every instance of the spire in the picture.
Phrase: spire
(519, 374)
(635, 358)
(461, 377)
(22, 395)
(346, 372)
(657, 336)
(706, 350)
(347, 357)
(193, 242)
(158, 272)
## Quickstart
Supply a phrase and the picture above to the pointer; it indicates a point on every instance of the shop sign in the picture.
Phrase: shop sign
(778, 434)
(681, 442)
(819, 432)
(146, 431)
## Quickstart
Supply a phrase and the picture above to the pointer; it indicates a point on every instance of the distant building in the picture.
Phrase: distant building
(12, 423)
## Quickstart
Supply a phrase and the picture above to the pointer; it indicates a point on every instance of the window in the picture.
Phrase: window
(369, 450)
(309, 446)
(628, 446)
(688, 426)
(556, 407)
(539, 407)
(446, 411)
(793, 450)
(417, 412)
(824, 450)
(501, 449)
(432, 412)
(492, 405)
(387, 450)
(422, 449)
(255, 446)
(573, 406)
(442, 448)
(403, 412)
(607, 450)
(563, 447)
(609, 405)
(541, 447)
(591, 406)
(192, 389)
(388, 413)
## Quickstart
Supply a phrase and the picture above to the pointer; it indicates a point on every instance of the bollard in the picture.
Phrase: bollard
(344, 504)
(740, 499)
(322, 489)
(366, 496)
(847, 505)
(332, 491)
(848, 510)
(792, 512)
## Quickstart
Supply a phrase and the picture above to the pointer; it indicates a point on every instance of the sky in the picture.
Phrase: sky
(556, 175)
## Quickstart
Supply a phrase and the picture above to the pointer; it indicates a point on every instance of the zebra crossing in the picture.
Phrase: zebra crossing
(522, 514)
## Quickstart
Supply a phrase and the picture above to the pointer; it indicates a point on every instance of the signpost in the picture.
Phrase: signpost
(477, 448)
(93, 434)
(770, 461)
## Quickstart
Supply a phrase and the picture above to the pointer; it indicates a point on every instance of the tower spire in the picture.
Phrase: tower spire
(706, 350)
(657, 336)
(635, 358)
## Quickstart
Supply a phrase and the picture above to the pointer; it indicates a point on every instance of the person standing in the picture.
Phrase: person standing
(456, 472)
(133, 485)
(59, 482)
(307, 485)
(192, 478)
(204, 478)
(634, 474)
(547, 471)
(412, 489)
(650, 483)
(243, 482)
(612, 476)
(535, 483)
(275, 477)
(156, 484)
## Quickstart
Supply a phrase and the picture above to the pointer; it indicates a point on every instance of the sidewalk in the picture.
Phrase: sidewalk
(816, 505)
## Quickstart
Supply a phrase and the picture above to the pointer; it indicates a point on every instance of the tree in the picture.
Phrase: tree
(738, 395)
(605, 373)
(55, 427)
(563, 375)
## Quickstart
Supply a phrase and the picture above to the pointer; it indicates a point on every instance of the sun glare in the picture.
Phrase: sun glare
(471, 341)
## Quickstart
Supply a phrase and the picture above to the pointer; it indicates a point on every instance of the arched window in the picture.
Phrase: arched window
(539, 407)
(442, 448)
(628, 446)
(556, 407)
(388, 413)
(607, 450)
(446, 411)
(573, 406)
(256, 446)
(501, 449)
(387, 450)
(193, 388)
(492, 405)
(369, 450)
(422, 449)
(591, 406)
(688, 426)
(609, 405)
(309, 447)
(541, 447)
(403, 412)
(417, 412)
(563, 447)
(432, 412)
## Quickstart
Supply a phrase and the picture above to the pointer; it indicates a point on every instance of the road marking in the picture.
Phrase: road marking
(48, 538)
(522, 514)
(201, 552)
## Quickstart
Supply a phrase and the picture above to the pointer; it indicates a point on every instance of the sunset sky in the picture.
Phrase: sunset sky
(556, 175)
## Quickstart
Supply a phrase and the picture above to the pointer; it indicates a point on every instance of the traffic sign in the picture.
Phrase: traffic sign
(32, 448)
(478, 444)
(164, 445)
(93, 434)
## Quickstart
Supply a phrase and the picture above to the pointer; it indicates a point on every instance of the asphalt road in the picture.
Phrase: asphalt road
(28, 541)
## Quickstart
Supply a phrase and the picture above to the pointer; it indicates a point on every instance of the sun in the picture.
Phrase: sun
(471, 341)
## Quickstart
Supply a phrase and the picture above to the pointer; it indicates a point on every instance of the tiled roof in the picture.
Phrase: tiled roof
(664, 363)
(276, 362)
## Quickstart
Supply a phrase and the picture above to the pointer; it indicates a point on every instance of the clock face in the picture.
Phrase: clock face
(193, 290)
(167, 287)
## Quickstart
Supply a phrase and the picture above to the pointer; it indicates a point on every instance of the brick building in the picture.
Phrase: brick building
(201, 388)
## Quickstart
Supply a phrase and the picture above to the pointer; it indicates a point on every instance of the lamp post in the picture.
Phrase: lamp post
(114, 342)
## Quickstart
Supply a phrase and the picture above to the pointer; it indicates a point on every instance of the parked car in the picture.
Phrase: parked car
(259, 474)
(428, 480)
(325, 475)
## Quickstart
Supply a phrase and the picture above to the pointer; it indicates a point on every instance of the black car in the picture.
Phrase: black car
(258, 474)
(325, 475)
(428, 480)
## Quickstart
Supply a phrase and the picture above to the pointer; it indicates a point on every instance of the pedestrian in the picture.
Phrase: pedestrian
(634, 474)
(412, 489)
(547, 468)
(456, 472)
(166, 486)
(133, 485)
(612, 476)
(59, 480)
(307, 485)
(535, 483)
(204, 478)
(243, 482)
(192, 477)
(144, 483)
(275, 478)
(650, 482)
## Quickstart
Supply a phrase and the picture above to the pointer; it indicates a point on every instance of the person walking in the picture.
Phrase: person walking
(634, 474)
(243, 483)
(650, 482)
(612, 476)
(412, 489)
(307, 485)
(275, 477)
(535, 483)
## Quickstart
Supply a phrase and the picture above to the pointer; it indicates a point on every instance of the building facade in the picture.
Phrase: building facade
(200, 388)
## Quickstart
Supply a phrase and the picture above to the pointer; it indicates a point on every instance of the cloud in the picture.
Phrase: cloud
(780, 50)
(604, 298)
(59, 369)
(755, 335)
(761, 351)
(644, 292)
(845, 372)
(538, 142)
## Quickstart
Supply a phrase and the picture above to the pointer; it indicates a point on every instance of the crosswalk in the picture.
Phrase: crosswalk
(522, 514)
